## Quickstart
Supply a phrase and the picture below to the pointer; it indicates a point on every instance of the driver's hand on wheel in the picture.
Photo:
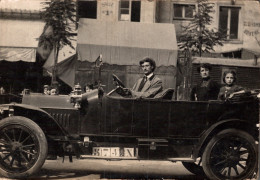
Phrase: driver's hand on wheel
(115, 83)
(127, 91)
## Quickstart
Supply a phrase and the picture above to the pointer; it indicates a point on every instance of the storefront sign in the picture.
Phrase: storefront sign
(251, 33)
(107, 8)
(251, 24)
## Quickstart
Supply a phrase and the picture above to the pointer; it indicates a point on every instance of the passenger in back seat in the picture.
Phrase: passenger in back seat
(207, 89)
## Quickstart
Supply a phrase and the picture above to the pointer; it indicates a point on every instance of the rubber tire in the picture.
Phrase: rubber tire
(227, 132)
(194, 168)
(43, 145)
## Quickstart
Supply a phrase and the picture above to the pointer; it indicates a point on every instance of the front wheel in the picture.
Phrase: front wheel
(23, 147)
(231, 154)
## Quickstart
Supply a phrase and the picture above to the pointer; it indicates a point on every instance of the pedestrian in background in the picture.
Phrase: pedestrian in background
(2, 89)
(54, 88)
(88, 88)
(46, 90)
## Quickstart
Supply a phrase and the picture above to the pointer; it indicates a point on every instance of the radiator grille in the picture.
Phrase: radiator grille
(62, 118)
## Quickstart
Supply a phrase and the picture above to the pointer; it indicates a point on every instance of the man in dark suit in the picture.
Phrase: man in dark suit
(149, 85)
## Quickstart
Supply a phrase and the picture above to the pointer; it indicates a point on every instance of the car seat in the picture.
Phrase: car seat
(166, 94)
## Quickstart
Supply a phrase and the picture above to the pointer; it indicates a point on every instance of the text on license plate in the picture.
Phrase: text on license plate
(113, 152)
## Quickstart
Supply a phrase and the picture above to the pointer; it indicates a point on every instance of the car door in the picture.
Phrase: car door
(188, 118)
(159, 111)
(117, 116)
(141, 109)
(150, 118)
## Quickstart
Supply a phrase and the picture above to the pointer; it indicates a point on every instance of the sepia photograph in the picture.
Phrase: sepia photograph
(129, 89)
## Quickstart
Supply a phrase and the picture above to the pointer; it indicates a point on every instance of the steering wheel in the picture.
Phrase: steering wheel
(117, 81)
(120, 89)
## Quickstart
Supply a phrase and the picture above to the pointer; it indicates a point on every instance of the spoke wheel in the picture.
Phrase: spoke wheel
(231, 154)
(195, 167)
(23, 147)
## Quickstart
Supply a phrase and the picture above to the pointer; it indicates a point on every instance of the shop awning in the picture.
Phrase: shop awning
(67, 60)
(125, 43)
(228, 48)
(240, 47)
(17, 54)
(64, 53)
(254, 51)
(227, 62)
(18, 40)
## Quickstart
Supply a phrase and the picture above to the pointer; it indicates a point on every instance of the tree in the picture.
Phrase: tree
(196, 36)
(59, 15)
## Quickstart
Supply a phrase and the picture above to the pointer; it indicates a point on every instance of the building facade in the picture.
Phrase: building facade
(118, 10)
(20, 26)
(241, 19)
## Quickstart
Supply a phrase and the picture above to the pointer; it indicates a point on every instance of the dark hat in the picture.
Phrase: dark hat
(150, 60)
(204, 65)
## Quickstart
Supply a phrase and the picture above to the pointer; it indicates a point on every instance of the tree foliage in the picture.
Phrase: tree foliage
(196, 36)
(58, 15)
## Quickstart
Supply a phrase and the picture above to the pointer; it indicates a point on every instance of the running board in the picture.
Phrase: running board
(132, 158)
(182, 159)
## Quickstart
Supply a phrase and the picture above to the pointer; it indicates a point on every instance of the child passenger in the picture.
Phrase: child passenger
(230, 87)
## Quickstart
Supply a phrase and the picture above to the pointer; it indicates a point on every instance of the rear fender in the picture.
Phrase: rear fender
(44, 120)
(217, 127)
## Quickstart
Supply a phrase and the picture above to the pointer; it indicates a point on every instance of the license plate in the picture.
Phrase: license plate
(113, 152)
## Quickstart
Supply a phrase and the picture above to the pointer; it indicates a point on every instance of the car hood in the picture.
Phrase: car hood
(48, 101)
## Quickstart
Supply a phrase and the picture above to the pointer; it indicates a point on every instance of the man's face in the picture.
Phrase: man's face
(204, 72)
(147, 68)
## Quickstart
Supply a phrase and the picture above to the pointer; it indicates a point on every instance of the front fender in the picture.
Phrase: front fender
(45, 121)
(219, 126)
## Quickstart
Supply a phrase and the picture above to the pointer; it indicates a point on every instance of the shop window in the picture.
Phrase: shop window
(183, 11)
(229, 21)
(130, 10)
(87, 9)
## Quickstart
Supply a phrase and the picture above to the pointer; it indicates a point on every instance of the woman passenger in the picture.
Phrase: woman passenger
(230, 87)
(207, 89)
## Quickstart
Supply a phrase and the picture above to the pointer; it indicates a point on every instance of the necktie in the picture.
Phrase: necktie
(142, 83)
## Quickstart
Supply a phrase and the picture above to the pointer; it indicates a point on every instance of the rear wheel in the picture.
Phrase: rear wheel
(231, 154)
(23, 147)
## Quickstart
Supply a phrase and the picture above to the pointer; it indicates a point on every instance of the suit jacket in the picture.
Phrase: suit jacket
(151, 87)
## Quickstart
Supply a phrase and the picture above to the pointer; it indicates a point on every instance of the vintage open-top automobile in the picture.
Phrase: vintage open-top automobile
(218, 138)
